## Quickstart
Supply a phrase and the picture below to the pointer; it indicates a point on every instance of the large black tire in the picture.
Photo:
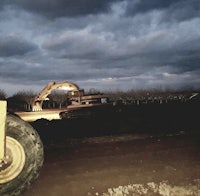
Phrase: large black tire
(30, 141)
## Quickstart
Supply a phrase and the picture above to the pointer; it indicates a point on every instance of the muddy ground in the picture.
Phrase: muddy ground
(92, 166)
(121, 156)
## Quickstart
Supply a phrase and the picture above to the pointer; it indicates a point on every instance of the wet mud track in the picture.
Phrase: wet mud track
(91, 166)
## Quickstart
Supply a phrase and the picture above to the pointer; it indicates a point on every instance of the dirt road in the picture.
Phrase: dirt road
(120, 165)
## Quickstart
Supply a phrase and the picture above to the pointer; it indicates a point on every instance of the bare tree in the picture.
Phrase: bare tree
(93, 91)
(24, 98)
(2, 95)
(157, 95)
(58, 97)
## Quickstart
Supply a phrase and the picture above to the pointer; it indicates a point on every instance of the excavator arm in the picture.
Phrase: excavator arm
(38, 100)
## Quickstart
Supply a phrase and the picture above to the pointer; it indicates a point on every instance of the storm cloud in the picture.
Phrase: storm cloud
(123, 44)
(11, 46)
(177, 10)
(61, 8)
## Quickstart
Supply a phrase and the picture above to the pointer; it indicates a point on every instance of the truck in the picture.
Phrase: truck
(21, 148)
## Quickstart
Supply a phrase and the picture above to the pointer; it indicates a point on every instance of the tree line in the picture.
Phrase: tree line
(22, 100)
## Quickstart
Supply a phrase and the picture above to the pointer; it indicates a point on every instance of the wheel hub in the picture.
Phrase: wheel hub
(13, 162)
(6, 161)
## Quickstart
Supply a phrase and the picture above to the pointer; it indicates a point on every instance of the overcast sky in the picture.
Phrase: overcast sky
(102, 44)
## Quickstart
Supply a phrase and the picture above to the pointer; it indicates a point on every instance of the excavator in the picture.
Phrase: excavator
(38, 100)
(77, 99)
(67, 86)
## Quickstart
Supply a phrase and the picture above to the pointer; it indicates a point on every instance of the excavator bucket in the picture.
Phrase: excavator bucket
(36, 107)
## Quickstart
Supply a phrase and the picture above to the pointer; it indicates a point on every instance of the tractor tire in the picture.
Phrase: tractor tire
(25, 148)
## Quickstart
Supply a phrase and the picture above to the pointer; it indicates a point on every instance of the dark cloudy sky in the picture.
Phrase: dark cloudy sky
(103, 44)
